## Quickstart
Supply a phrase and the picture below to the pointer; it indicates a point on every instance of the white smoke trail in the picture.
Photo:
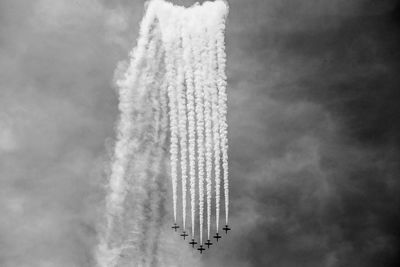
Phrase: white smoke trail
(151, 208)
(208, 130)
(125, 127)
(212, 113)
(107, 253)
(215, 120)
(182, 121)
(188, 67)
(141, 215)
(208, 157)
(157, 207)
(170, 46)
(199, 101)
(222, 103)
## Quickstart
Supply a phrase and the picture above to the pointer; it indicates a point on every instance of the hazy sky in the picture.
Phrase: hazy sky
(313, 126)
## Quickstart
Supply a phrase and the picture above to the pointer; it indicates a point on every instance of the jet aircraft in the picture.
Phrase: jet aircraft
(208, 243)
(175, 227)
(184, 234)
(201, 249)
(192, 243)
(217, 236)
(226, 229)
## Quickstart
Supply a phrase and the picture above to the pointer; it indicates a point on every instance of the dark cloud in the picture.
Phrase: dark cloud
(313, 121)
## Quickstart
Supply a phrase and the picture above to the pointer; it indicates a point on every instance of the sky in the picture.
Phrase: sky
(313, 130)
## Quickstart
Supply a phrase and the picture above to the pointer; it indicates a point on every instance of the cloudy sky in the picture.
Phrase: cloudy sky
(313, 126)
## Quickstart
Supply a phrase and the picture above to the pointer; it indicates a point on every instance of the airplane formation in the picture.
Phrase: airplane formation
(208, 243)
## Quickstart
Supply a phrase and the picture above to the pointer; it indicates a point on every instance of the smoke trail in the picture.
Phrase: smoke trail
(215, 122)
(199, 98)
(182, 123)
(208, 157)
(208, 131)
(188, 61)
(173, 110)
(153, 207)
(222, 102)
(158, 204)
(176, 68)
(107, 253)
(141, 216)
